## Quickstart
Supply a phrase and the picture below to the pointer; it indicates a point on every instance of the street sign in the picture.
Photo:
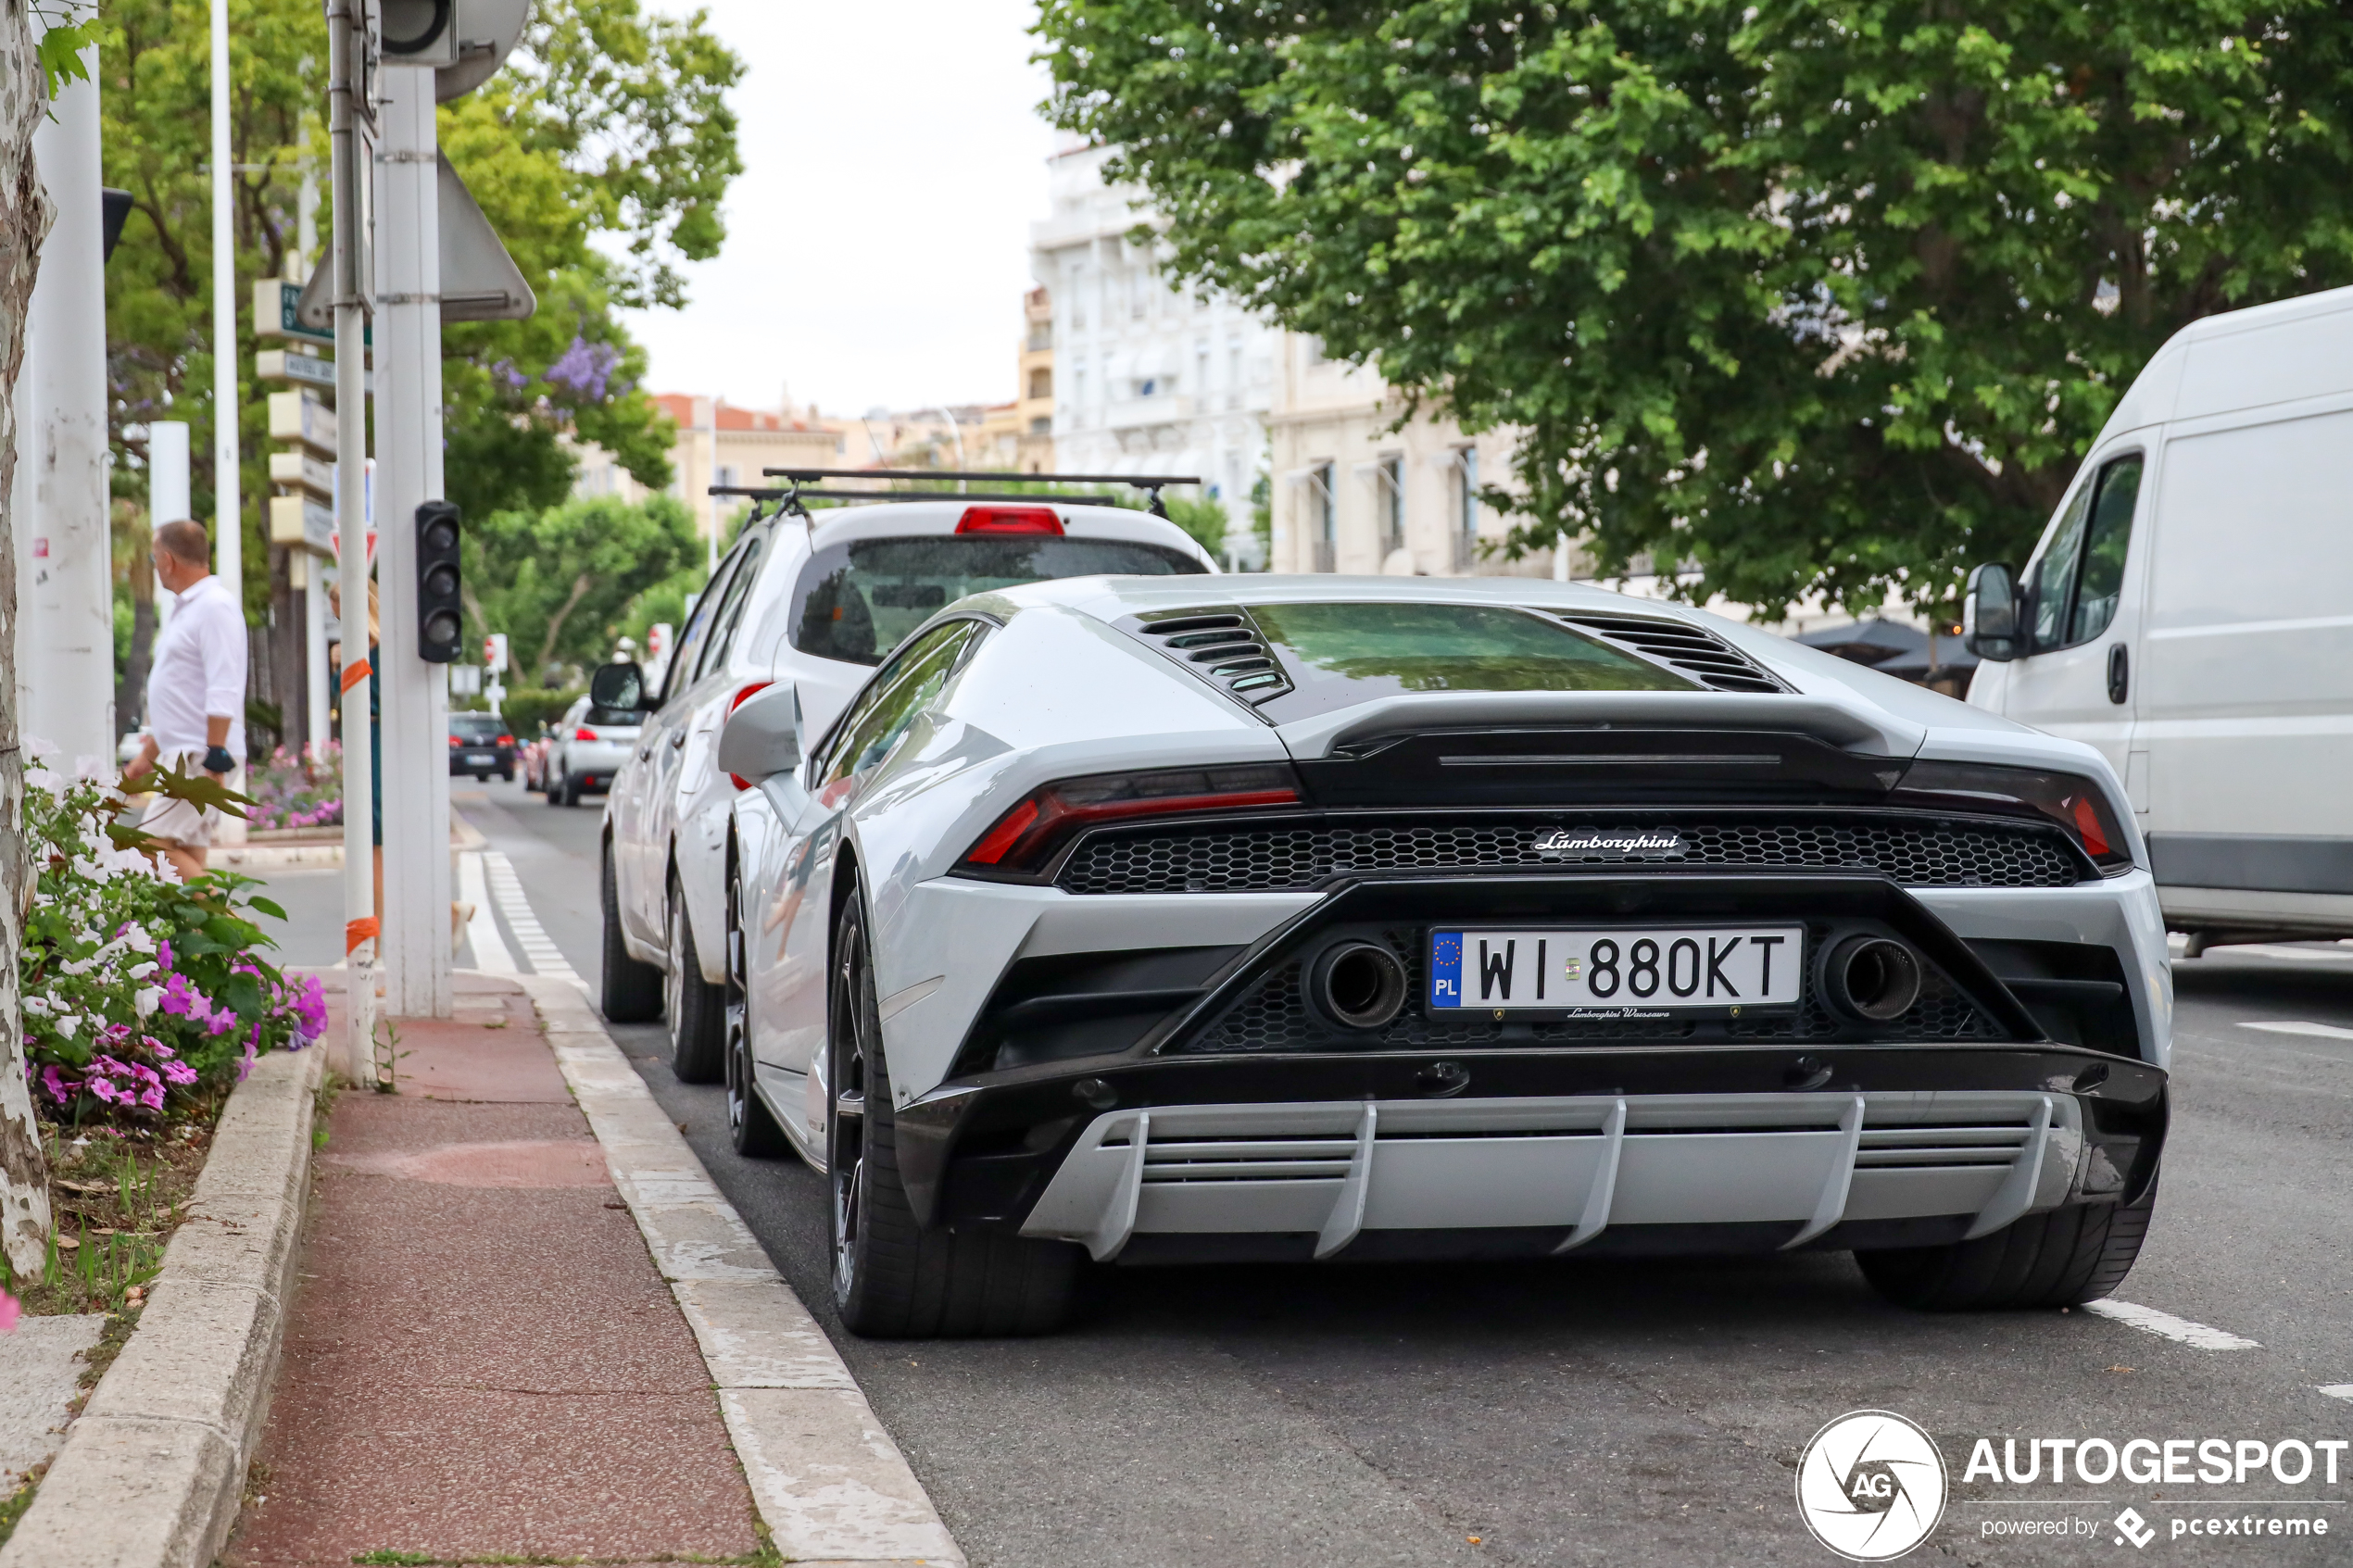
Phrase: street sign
(303, 370)
(300, 470)
(299, 416)
(277, 313)
(494, 653)
(303, 523)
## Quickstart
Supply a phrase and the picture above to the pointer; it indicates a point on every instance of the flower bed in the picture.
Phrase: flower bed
(291, 791)
(143, 998)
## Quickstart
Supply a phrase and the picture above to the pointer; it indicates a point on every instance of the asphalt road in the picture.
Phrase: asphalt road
(1615, 1411)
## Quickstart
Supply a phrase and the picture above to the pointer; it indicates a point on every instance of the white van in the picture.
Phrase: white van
(2190, 612)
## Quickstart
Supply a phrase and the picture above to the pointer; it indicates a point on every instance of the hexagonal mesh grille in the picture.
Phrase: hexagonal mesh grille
(1273, 1018)
(1215, 860)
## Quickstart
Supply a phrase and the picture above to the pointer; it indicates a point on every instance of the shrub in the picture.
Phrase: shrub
(527, 708)
(293, 791)
(143, 997)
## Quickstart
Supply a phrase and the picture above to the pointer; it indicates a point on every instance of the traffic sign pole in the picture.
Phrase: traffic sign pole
(416, 767)
(347, 46)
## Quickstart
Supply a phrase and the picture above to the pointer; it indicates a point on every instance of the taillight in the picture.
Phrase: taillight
(1024, 838)
(506, 740)
(747, 690)
(584, 733)
(2069, 800)
(1008, 520)
(457, 740)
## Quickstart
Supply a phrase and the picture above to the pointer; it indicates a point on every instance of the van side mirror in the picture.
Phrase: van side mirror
(761, 737)
(1990, 626)
(619, 686)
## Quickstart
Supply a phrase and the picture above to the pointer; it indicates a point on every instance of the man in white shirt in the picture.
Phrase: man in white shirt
(195, 692)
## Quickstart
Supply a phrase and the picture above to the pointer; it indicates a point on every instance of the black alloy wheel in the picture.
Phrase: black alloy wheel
(751, 1127)
(893, 1277)
(631, 990)
(555, 789)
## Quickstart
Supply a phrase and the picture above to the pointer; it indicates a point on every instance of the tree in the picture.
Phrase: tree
(559, 582)
(37, 48)
(1812, 296)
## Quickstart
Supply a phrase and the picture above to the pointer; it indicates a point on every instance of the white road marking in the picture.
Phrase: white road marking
(2274, 950)
(539, 951)
(2322, 1031)
(2337, 1391)
(2165, 1325)
(490, 948)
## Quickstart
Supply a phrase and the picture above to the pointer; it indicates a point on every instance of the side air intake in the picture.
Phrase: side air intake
(1224, 646)
(1694, 650)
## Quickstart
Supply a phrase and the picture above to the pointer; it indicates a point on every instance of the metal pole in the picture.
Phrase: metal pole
(347, 174)
(65, 630)
(416, 725)
(167, 490)
(226, 511)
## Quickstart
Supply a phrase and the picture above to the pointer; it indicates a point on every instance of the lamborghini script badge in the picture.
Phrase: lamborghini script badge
(1630, 844)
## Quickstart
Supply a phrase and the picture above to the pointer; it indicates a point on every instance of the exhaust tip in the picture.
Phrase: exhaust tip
(1872, 978)
(1358, 984)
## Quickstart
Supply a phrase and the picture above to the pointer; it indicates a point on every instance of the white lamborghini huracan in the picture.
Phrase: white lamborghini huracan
(1155, 920)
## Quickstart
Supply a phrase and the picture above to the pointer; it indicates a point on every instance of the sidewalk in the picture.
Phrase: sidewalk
(481, 1361)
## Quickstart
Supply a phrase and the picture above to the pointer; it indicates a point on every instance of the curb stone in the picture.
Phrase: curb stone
(830, 1484)
(153, 1468)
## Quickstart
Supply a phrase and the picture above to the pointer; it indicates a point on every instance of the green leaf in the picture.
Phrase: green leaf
(267, 906)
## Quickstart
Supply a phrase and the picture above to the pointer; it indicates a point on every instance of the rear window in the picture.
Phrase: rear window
(468, 726)
(1338, 655)
(854, 602)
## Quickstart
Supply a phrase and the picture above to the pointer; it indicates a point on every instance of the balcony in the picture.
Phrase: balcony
(1133, 413)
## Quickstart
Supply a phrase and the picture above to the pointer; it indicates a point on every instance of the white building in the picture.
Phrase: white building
(1356, 492)
(1148, 379)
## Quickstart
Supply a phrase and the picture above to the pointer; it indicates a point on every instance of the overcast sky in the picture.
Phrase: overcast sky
(878, 238)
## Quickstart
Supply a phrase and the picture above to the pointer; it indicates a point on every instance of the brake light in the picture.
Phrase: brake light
(1008, 520)
(584, 733)
(457, 740)
(506, 740)
(1026, 837)
(742, 693)
(2072, 802)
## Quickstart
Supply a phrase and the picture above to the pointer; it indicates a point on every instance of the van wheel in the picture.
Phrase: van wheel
(696, 1008)
(2061, 1259)
(894, 1279)
(632, 991)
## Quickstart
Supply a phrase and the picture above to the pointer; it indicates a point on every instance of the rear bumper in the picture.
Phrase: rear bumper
(1687, 1149)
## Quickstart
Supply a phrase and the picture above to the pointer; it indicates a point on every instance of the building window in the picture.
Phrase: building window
(1041, 382)
(1233, 374)
(1042, 427)
(1389, 478)
(727, 480)
(1467, 489)
(1079, 297)
(1201, 367)
(1041, 334)
(1142, 280)
(1078, 386)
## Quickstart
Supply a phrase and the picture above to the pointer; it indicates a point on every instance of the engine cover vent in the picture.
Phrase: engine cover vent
(1694, 650)
(1225, 646)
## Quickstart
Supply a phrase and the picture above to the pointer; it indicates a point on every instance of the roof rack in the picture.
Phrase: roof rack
(1149, 482)
(789, 497)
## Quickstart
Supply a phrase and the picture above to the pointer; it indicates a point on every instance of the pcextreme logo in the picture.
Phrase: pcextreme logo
(1870, 1485)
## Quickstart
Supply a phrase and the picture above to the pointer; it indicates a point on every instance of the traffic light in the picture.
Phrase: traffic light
(440, 615)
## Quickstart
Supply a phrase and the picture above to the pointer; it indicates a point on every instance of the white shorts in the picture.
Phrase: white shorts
(180, 821)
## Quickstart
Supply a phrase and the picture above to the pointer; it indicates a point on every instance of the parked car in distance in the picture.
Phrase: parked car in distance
(817, 603)
(2189, 612)
(481, 744)
(1277, 919)
(588, 748)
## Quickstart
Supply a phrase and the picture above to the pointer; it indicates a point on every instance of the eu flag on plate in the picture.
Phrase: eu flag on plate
(1446, 968)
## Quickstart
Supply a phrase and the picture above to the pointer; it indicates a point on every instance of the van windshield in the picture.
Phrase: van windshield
(855, 602)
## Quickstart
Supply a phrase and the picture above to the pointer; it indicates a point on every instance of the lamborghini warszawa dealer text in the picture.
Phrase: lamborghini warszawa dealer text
(1191, 917)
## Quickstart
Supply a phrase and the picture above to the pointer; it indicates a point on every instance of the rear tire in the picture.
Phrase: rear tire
(696, 1008)
(555, 790)
(632, 991)
(2061, 1259)
(893, 1278)
(750, 1126)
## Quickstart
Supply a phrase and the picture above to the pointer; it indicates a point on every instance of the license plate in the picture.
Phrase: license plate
(485, 758)
(1684, 969)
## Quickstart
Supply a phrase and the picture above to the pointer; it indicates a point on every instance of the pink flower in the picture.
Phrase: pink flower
(9, 1311)
(102, 1088)
(163, 954)
(59, 1087)
(179, 1073)
(152, 1096)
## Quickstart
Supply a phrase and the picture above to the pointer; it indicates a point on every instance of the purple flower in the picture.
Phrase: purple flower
(60, 1088)
(585, 370)
(163, 954)
(103, 1089)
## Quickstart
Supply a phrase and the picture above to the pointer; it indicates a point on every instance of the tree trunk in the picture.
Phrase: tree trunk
(24, 222)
